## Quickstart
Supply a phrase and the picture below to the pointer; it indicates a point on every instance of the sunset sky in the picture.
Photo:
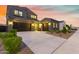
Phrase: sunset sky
(3, 9)
(68, 13)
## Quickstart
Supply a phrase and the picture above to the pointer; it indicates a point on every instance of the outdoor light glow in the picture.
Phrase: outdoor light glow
(10, 23)
(40, 25)
(36, 27)
(49, 24)
(16, 12)
(32, 24)
(33, 16)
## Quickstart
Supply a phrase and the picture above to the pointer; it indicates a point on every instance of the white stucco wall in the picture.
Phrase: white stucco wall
(61, 25)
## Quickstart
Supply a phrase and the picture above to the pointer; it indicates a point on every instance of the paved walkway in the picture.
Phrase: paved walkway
(40, 42)
(71, 46)
(2, 50)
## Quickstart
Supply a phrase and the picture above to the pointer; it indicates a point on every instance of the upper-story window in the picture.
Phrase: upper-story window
(33, 16)
(15, 12)
(18, 13)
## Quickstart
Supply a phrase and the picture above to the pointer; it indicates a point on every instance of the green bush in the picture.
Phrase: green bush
(12, 44)
(57, 31)
(68, 27)
(9, 34)
(13, 31)
(2, 35)
(11, 41)
(64, 30)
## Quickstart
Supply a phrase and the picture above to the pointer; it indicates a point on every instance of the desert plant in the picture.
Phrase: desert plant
(68, 28)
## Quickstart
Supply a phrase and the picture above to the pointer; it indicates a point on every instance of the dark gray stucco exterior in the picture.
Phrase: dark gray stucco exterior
(21, 20)
(26, 13)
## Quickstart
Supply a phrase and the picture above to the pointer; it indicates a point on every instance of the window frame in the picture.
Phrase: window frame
(18, 12)
(33, 16)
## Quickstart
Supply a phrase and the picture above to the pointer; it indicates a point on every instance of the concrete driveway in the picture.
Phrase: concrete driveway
(71, 46)
(40, 42)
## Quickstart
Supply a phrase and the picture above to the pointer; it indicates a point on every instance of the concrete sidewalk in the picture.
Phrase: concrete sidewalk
(71, 46)
(40, 42)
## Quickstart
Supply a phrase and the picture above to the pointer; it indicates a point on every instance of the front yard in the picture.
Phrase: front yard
(61, 34)
(65, 33)
(12, 44)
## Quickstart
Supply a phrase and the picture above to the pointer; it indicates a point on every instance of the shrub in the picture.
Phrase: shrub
(9, 34)
(13, 31)
(2, 35)
(11, 41)
(12, 44)
(64, 30)
(57, 31)
(68, 27)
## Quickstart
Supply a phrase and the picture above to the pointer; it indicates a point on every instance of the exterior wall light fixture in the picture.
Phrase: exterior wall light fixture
(10, 23)
(33, 24)
(49, 24)
(40, 25)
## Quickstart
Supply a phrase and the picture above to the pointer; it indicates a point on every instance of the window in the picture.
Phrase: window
(33, 16)
(53, 25)
(56, 25)
(18, 13)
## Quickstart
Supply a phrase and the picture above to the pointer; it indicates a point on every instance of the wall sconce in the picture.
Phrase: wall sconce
(40, 25)
(33, 24)
(10, 23)
(49, 24)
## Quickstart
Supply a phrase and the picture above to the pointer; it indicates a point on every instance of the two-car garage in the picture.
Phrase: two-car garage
(21, 26)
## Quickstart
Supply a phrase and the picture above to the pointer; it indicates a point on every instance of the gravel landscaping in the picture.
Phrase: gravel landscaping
(25, 49)
(62, 35)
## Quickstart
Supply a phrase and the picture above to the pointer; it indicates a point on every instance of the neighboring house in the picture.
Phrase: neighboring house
(52, 24)
(19, 18)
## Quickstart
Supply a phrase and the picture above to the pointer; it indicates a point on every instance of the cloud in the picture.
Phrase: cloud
(62, 8)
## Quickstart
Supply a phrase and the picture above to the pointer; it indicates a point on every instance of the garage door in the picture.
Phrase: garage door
(22, 26)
